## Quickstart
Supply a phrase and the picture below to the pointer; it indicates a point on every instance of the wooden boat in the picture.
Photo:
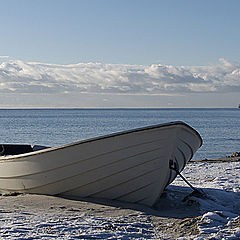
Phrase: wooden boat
(132, 166)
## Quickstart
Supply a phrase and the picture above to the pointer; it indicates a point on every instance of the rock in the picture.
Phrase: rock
(235, 154)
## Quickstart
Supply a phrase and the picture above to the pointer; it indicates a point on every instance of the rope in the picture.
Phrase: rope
(200, 192)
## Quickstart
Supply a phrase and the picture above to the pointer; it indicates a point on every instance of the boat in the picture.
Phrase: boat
(132, 166)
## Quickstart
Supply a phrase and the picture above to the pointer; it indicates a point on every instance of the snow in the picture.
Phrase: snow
(215, 216)
(220, 210)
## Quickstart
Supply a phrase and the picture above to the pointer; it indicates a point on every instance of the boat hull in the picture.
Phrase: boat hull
(130, 166)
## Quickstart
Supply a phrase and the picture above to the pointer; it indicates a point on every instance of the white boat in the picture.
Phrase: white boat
(132, 166)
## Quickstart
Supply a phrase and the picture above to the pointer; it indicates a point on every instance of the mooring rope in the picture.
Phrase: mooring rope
(173, 166)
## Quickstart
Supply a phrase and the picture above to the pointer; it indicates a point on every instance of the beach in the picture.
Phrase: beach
(177, 215)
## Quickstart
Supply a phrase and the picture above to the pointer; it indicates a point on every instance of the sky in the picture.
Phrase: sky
(128, 53)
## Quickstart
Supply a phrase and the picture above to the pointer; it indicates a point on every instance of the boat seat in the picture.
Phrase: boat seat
(14, 149)
(38, 147)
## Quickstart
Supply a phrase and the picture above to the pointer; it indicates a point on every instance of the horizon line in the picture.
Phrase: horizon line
(109, 108)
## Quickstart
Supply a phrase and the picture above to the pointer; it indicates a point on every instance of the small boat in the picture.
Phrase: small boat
(133, 166)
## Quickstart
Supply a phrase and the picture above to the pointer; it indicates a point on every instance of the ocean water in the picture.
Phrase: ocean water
(219, 128)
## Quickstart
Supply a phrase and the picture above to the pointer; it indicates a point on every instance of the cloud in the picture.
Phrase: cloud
(96, 78)
(4, 57)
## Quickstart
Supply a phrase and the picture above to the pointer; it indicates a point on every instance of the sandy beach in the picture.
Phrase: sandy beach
(177, 215)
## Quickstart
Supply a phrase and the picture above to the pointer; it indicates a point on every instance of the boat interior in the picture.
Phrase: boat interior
(14, 149)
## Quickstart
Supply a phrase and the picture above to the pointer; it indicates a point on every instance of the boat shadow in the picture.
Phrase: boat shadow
(173, 203)
(178, 202)
(183, 202)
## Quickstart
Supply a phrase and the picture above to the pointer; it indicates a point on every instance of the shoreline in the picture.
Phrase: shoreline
(217, 160)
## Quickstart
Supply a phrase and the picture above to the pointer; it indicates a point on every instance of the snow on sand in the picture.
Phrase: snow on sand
(213, 217)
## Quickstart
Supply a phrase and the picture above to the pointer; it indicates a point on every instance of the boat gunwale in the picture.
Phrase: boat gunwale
(111, 135)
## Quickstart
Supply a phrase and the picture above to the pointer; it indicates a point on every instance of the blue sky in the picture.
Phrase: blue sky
(127, 32)
(176, 32)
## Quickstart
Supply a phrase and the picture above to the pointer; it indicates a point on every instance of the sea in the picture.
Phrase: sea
(219, 127)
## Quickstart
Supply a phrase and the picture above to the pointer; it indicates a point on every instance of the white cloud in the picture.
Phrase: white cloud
(4, 57)
(31, 77)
